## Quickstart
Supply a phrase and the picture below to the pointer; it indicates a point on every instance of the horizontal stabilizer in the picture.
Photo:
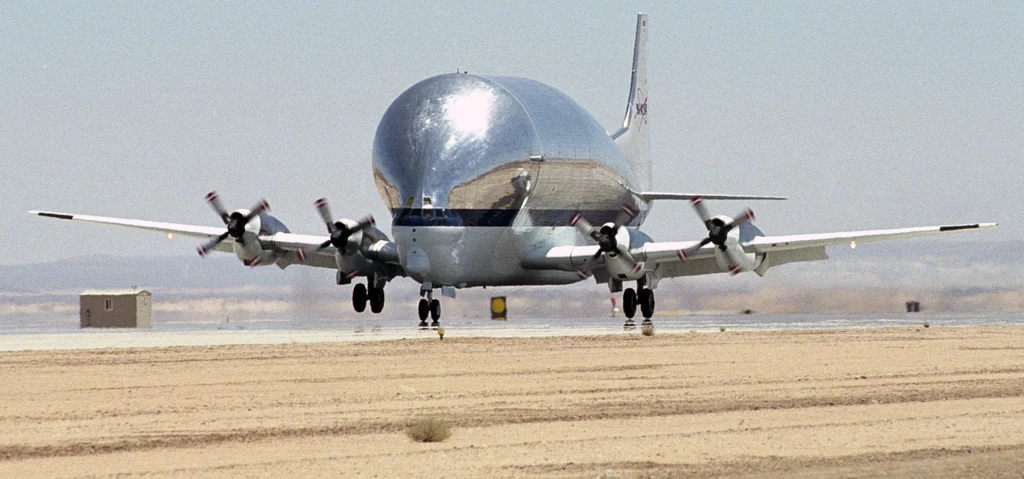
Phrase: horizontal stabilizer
(651, 196)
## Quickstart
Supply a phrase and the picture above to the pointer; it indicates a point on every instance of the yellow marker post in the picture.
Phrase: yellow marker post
(499, 308)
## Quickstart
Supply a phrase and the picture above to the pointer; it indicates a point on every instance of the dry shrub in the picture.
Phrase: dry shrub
(431, 429)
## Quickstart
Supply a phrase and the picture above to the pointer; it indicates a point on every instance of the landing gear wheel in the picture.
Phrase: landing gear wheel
(359, 298)
(629, 303)
(646, 300)
(424, 311)
(376, 300)
(435, 312)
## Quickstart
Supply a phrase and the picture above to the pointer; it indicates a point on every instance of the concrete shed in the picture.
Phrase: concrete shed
(126, 308)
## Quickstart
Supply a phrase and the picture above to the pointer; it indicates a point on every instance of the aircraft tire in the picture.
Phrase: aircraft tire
(646, 300)
(629, 303)
(424, 311)
(435, 310)
(376, 300)
(359, 298)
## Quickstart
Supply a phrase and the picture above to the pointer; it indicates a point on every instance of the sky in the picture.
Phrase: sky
(865, 114)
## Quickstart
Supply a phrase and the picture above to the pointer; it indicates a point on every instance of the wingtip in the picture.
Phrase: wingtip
(975, 226)
(50, 214)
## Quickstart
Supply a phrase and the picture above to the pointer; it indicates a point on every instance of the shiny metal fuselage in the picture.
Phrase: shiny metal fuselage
(479, 171)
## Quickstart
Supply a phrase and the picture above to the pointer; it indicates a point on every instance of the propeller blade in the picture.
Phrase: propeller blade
(311, 250)
(734, 267)
(745, 217)
(583, 226)
(702, 211)
(214, 200)
(683, 254)
(205, 248)
(626, 214)
(325, 213)
(362, 224)
(260, 207)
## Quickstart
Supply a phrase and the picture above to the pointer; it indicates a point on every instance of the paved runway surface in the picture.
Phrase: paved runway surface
(301, 332)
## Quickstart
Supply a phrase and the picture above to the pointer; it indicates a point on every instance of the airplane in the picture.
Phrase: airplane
(505, 181)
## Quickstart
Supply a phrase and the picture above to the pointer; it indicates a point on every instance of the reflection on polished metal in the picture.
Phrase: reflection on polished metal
(469, 150)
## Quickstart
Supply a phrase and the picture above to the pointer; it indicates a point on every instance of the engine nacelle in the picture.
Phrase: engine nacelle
(248, 248)
(354, 240)
(734, 259)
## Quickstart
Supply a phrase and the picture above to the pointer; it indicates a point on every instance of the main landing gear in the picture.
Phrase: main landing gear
(361, 295)
(432, 307)
(642, 297)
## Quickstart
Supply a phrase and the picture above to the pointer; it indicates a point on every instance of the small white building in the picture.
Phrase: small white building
(118, 308)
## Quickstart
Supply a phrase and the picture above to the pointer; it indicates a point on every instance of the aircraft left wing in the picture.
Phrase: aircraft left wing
(688, 258)
(778, 250)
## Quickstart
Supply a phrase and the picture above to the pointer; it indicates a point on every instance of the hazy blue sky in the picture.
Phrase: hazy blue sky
(866, 114)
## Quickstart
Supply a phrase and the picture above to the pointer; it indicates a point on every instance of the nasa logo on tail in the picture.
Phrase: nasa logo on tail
(641, 107)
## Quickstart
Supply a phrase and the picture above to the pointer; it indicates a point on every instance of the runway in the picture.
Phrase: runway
(327, 331)
(904, 401)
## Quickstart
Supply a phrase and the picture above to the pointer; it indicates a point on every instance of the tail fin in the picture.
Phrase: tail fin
(633, 138)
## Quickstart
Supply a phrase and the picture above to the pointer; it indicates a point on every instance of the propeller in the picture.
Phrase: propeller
(235, 222)
(339, 230)
(605, 235)
(718, 231)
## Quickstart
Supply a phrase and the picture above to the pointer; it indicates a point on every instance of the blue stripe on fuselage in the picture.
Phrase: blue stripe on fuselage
(498, 217)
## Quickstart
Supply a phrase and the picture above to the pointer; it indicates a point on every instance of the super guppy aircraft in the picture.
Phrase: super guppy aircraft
(500, 181)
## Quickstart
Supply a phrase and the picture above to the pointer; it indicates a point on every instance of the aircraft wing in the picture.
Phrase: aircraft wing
(763, 244)
(204, 232)
(777, 250)
(280, 241)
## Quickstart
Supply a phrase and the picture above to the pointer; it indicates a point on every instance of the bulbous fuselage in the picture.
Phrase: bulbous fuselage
(489, 167)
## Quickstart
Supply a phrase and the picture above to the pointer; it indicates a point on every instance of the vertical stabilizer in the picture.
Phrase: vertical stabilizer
(633, 138)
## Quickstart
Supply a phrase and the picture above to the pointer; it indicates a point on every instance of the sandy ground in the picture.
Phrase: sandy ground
(935, 402)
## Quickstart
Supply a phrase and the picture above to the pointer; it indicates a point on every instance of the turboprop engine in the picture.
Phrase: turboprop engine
(346, 235)
(729, 254)
(724, 233)
(613, 243)
(245, 226)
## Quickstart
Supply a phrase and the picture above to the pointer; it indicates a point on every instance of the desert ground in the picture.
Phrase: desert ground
(887, 402)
